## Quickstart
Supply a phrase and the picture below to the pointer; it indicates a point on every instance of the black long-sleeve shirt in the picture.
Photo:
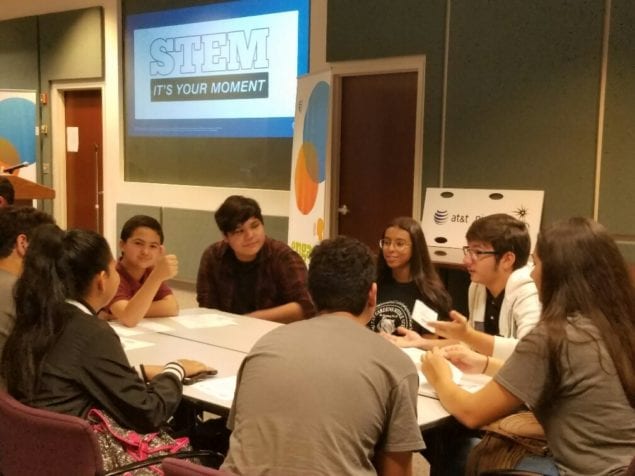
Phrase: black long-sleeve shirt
(87, 368)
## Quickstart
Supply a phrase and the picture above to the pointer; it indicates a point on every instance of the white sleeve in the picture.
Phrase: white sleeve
(503, 347)
(525, 315)
(526, 311)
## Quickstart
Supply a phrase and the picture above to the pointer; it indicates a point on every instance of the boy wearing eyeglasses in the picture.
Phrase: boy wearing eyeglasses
(248, 272)
(502, 298)
(503, 306)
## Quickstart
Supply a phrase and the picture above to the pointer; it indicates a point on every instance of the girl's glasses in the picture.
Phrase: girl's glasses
(399, 245)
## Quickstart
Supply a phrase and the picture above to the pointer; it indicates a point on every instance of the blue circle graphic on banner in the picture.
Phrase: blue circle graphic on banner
(315, 125)
(17, 129)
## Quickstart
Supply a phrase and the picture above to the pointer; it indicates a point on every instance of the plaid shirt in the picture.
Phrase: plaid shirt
(281, 278)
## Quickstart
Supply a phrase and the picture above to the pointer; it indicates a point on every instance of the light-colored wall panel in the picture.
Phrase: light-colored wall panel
(71, 45)
(189, 232)
(18, 54)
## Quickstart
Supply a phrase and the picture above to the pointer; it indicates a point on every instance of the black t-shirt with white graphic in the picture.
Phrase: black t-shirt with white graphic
(395, 302)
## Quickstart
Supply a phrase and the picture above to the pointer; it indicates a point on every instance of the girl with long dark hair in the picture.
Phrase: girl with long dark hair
(576, 369)
(61, 357)
(405, 274)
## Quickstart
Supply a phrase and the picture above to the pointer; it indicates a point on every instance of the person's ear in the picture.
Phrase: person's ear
(100, 281)
(508, 260)
(21, 244)
(3, 202)
(372, 296)
(121, 245)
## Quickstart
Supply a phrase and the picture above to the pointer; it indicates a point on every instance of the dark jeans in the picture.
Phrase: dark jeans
(538, 464)
(448, 446)
(211, 434)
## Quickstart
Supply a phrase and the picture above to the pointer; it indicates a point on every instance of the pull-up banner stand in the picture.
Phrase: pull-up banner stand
(308, 212)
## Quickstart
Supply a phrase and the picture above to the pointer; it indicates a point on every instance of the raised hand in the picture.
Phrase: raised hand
(456, 329)
(167, 266)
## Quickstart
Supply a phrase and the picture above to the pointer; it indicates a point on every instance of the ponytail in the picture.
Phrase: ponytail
(57, 266)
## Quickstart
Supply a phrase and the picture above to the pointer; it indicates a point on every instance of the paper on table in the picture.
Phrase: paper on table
(123, 331)
(220, 388)
(474, 382)
(424, 387)
(130, 344)
(199, 321)
(153, 326)
(422, 315)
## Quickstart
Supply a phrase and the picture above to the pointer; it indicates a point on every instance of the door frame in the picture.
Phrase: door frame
(400, 64)
(58, 142)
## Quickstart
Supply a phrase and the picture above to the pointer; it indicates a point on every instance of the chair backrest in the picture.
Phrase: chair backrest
(181, 467)
(630, 471)
(35, 441)
(509, 472)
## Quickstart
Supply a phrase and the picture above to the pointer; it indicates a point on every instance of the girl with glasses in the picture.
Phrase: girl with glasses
(406, 274)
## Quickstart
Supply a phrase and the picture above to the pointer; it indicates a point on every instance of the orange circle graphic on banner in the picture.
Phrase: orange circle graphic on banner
(305, 178)
(8, 154)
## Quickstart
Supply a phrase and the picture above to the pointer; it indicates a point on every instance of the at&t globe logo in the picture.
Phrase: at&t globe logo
(441, 216)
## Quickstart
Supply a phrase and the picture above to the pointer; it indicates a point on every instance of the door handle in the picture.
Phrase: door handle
(343, 210)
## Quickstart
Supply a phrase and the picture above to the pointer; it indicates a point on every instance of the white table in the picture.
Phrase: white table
(223, 348)
(430, 412)
(165, 348)
(240, 333)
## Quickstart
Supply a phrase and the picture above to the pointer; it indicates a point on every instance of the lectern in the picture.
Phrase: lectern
(26, 191)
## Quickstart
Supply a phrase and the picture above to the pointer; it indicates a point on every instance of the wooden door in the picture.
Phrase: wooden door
(377, 144)
(84, 182)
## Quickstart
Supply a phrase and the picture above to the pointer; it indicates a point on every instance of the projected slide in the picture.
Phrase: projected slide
(220, 70)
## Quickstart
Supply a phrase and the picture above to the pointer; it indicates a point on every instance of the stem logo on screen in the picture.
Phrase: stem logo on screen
(226, 69)
(233, 51)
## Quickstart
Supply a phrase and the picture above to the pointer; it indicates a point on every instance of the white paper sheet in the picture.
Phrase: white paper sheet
(425, 388)
(123, 331)
(152, 326)
(72, 139)
(221, 388)
(201, 321)
(423, 314)
(131, 344)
